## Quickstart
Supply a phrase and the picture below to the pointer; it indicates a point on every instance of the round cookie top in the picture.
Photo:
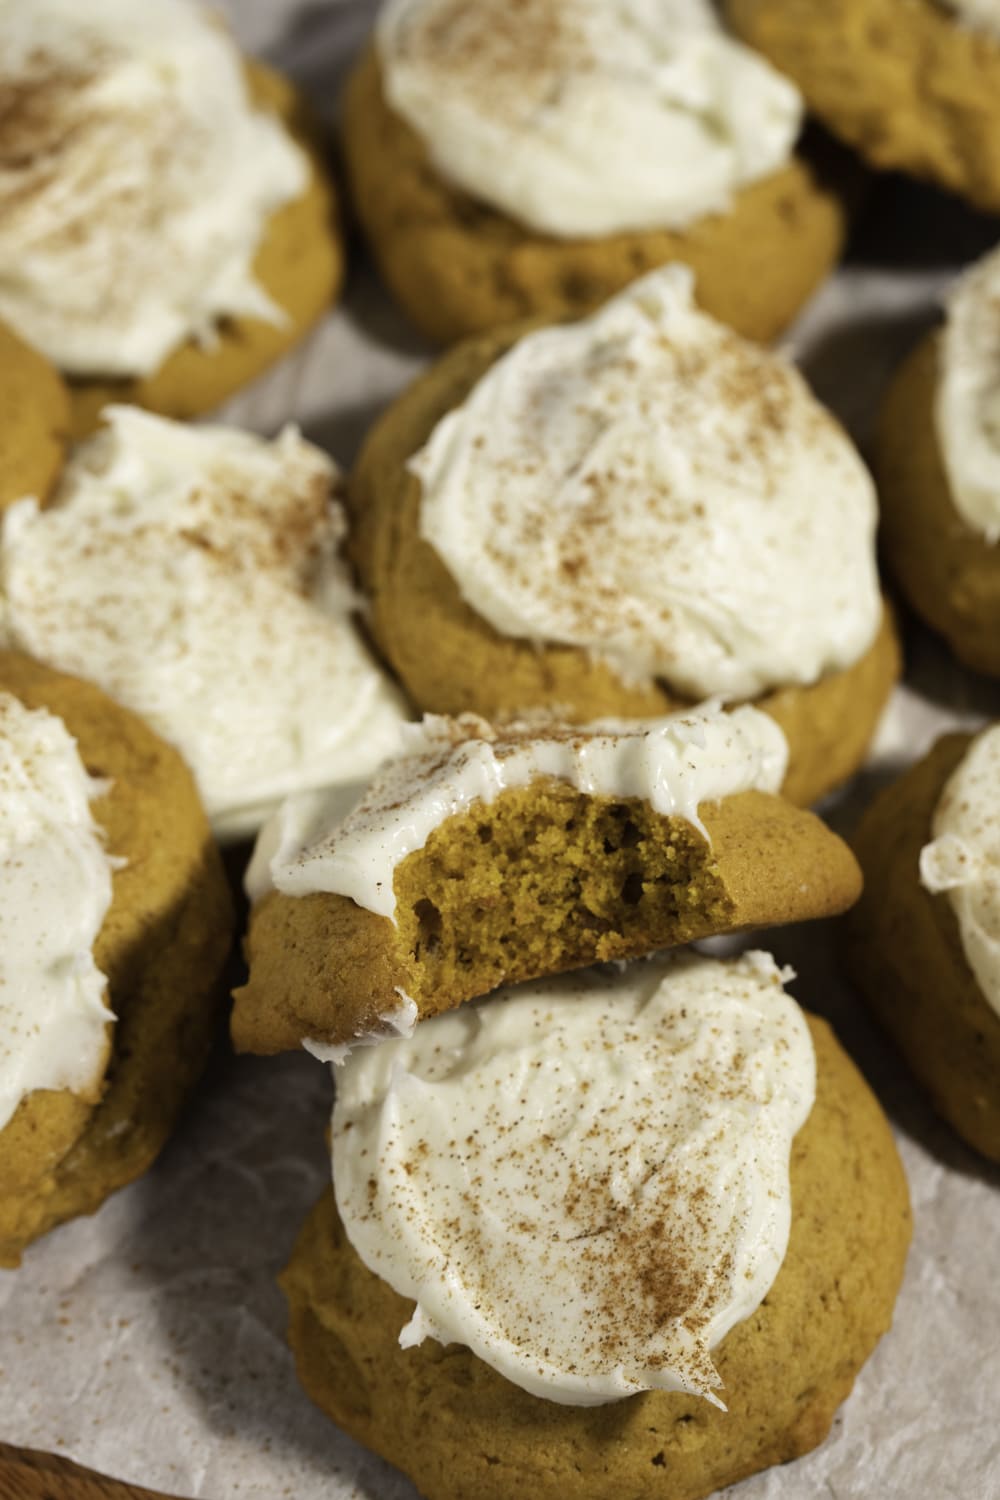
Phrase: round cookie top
(34, 421)
(963, 858)
(587, 117)
(627, 1139)
(194, 573)
(137, 181)
(55, 891)
(967, 403)
(649, 488)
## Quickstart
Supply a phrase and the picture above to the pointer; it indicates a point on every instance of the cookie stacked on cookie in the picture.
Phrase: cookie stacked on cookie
(576, 1215)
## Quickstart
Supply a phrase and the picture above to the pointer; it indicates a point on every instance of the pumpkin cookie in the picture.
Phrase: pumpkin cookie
(622, 516)
(912, 84)
(484, 1384)
(194, 573)
(34, 421)
(483, 857)
(223, 257)
(925, 939)
(506, 166)
(938, 470)
(121, 954)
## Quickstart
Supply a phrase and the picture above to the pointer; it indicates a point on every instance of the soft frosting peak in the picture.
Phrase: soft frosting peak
(351, 846)
(649, 487)
(964, 857)
(135, 180)
(585, 1180)
(55, 890)
(968, 397)
(194, 573)
(587, 117)
(984, 13)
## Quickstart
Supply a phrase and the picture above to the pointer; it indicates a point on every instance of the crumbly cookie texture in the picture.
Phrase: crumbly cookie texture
(451, 661)
(459, 267)
(905, 952)
(540, 881)
(300, 265)
(162, 947)
(34, 421)
(949, 572)
(464, 1433)
(904, 81)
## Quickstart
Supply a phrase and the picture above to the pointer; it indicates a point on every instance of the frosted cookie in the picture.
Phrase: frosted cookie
(530, 161)
(914, 85)
(925, 940)
(574, 1222)
(482, 857)
(194, 574)
(115, 922)
(938, 470)
(34, 421)
(622, 515)
(166, 228)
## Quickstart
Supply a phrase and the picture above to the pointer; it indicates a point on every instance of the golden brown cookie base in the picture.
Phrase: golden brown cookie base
(903, 81)
(299, 264)
(462, 1432)
(459, 267)
(948, 572)
(34, 421)
(451, 661)
(162, 947)
(541, 881)
(905, 951)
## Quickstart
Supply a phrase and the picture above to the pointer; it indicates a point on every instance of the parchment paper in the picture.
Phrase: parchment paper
(149, 1340)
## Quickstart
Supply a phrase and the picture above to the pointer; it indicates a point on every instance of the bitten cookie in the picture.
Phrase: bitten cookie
(938, 471)
(923, 942)
(912, 84)
(175, 293)
(484, 857)
(620, 516)
(624, 1253)
(91, 1089)
(490, 193)
(34, 421)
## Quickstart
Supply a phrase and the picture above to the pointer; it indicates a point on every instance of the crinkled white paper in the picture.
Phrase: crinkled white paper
(148, 1342)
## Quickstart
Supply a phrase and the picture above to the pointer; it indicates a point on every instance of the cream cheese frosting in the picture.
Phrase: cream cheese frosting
(984, 13)
(136, 181)
(55, 890)
(963, 858)
(194, 574)
(967, 412)
(584, 1180)
(587, 117)
(648, 487)
(324, 843)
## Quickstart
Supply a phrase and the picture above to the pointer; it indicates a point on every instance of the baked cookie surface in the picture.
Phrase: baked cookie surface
(905, 952)
(904, 81)
(162, 947)
(451, 660)
(948, 571)
(34, 421)
(459, 267)
(460, 1430)
(299, 265)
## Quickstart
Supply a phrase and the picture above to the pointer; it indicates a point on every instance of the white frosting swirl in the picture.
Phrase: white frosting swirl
(967, 408)
(55, 890)
(964, 857)
(649, 487)
(351, 846)
(587, 117)
(984, 13)
(135, 181)
(194, 573)
(584, 1180)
